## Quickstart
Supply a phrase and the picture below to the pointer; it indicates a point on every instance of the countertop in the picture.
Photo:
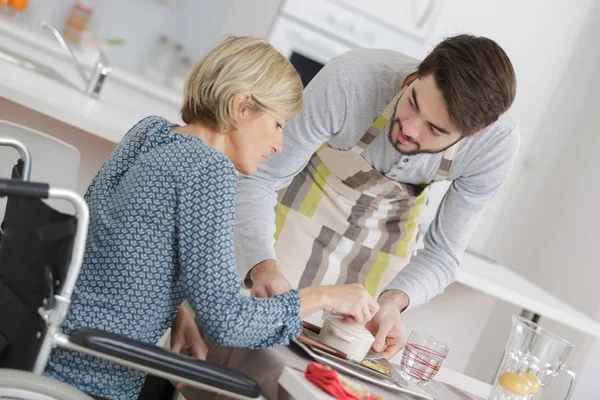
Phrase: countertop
(126, 97)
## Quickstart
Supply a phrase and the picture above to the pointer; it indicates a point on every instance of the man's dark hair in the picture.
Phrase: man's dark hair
(475, 77)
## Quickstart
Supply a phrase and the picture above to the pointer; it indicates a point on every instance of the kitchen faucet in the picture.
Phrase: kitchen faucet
(94, 83)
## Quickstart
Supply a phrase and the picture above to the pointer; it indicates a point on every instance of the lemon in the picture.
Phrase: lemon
(515, 383)
(534, 383)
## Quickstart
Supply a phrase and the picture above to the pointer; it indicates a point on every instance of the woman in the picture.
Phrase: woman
(162, 216)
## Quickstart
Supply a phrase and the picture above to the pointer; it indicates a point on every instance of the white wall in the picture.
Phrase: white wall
(442, 319)
(539, 37)
(587, 380)
(550, 226)
(195, 23)
(253, 18)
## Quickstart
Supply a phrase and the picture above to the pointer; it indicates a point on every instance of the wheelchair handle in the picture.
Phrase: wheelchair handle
(23, 153)
(29, 190)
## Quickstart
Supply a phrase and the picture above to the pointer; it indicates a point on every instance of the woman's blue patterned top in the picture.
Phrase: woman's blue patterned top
(161, 231)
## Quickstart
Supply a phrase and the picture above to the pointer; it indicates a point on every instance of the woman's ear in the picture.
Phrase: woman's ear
(239, 106)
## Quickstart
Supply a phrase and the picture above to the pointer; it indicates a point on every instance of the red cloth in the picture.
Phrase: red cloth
(328, 380)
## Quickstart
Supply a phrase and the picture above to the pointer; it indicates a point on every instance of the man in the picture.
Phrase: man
(341, 203)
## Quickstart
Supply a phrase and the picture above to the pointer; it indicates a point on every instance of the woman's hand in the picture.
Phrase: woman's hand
(186, 336)
(351, 300)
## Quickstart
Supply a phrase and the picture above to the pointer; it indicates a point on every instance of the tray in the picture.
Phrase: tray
(357, 370)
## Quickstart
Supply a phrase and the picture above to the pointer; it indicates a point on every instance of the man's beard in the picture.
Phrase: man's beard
(418, 149)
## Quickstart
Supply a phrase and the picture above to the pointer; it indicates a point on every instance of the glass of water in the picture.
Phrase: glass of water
(422, 358)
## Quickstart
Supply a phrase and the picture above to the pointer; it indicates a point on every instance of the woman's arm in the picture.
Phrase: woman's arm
(204, 223)
(212, 286)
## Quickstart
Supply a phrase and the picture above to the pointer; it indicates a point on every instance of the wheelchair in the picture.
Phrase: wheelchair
(41, 253)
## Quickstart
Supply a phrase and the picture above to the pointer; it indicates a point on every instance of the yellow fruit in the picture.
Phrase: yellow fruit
(18, 5)
(515, 383)
(534, 383)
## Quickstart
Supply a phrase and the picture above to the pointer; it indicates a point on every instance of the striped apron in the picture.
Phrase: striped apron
(340, 221)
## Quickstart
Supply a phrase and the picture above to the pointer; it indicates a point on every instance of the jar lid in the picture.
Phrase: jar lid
(352, 329)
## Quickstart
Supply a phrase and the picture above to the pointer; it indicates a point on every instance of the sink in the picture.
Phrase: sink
(37, 75)
(117, 94)
(32, 65)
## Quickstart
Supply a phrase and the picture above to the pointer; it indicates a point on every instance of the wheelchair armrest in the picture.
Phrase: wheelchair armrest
(151, 356)
(29, 190)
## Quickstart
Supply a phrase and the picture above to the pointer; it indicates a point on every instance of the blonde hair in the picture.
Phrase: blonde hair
(240, 65)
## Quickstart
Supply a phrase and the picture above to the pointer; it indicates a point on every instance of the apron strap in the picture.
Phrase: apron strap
(446, 163)
(378, 125)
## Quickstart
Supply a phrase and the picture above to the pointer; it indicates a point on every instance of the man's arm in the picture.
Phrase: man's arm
(434, 267)
(322, 117)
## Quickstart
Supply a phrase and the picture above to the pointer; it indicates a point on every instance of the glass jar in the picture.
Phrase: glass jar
(161, 60)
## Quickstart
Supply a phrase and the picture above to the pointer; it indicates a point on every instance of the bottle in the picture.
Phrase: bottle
(18, 5)
(78, 20)
(152, 68)
(180, 72)
(161, 60)
(13, 7)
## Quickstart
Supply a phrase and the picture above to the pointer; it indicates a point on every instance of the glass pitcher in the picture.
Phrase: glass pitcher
(535, 354)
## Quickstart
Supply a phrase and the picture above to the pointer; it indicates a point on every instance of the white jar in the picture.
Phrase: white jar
(353, 339)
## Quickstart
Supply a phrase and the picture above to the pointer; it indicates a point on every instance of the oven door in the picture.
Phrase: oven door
(307, 49)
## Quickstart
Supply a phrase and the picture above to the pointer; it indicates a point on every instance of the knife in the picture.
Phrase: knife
(313, 328)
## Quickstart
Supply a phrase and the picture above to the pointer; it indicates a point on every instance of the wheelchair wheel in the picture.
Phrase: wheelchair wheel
(23, 385)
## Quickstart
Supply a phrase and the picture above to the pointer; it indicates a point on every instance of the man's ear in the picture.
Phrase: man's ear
(409, 79)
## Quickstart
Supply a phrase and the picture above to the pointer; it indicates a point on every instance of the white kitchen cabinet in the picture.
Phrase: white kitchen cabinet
(413, 17)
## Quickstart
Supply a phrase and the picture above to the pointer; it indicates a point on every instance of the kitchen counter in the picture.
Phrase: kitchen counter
(497, 280)
(125, 98)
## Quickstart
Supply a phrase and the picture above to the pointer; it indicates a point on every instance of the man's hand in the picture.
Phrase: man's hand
(386, 325)
(186, 336)
(267, 280)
